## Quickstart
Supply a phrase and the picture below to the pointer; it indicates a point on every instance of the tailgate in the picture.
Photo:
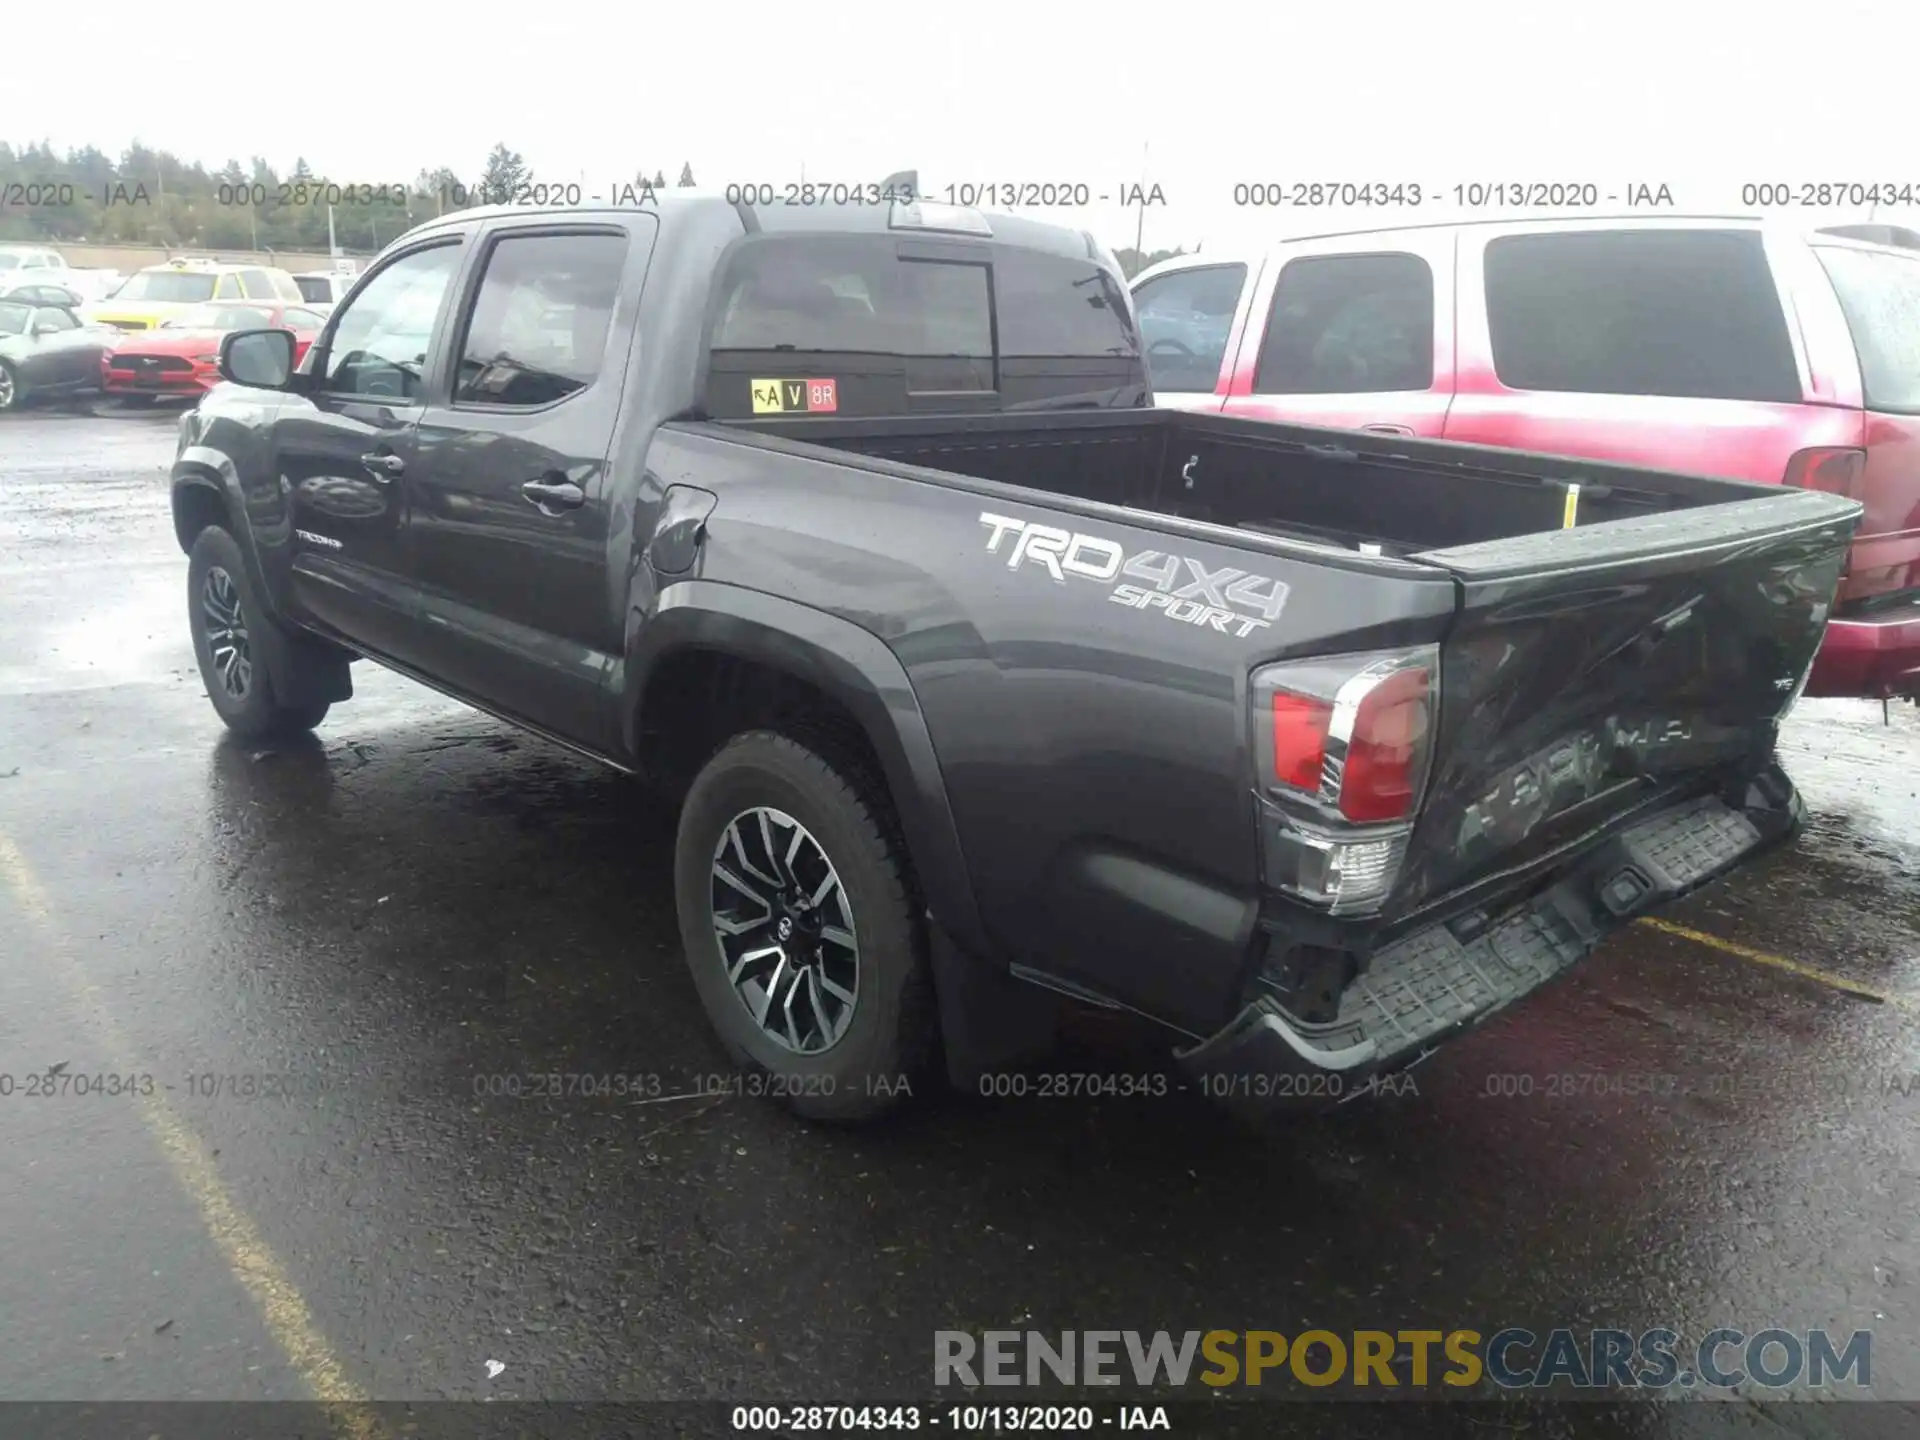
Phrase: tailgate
(1592, 671)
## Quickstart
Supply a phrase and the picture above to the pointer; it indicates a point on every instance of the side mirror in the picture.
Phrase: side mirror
(262, 359)
(44, 327)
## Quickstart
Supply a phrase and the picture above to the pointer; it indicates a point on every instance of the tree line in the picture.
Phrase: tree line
(1133, 261)
(153, 197)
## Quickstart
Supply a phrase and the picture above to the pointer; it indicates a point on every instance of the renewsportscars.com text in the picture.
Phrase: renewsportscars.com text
(1511, 1358)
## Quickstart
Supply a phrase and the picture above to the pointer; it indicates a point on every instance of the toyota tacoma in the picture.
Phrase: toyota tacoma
(979, 681)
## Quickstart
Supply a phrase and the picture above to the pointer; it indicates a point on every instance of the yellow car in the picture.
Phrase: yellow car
(159, 292)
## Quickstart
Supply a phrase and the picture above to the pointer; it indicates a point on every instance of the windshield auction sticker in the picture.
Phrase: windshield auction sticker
(783, 397)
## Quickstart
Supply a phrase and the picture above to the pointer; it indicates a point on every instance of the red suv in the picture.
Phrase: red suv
(1721, 347)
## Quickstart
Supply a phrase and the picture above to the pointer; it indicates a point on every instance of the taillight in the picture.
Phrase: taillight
(1344, 742)
(1299, 739)
(1353, 731)
(1838, 470)
(1386, 758)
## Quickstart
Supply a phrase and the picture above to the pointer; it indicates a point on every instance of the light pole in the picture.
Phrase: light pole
(1140, 228)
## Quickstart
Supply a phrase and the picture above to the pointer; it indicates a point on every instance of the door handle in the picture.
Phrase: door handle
(1388, 429)
(550, 497)
(382, 466)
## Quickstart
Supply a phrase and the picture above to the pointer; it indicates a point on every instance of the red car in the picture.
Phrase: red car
(182, 357)
(1721, 347)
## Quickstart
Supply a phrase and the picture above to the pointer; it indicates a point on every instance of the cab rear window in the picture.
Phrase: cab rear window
(1880, 294)
(899, 327)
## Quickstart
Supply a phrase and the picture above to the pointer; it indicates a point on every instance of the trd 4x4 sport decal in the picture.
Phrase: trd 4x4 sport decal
(1178, 586)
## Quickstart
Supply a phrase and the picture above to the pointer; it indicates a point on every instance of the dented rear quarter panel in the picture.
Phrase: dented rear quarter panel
(1097, 754)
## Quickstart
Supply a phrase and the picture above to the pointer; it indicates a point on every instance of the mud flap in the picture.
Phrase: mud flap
(988, 1019)
(303, 672)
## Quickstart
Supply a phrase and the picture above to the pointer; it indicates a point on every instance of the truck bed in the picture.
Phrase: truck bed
(1647, 648)
(1337, 489)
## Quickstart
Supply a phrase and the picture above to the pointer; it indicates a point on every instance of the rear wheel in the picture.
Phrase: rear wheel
(797, 916)
(11, 395)
(226, 615)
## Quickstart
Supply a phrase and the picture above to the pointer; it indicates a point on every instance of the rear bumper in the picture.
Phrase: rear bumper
(1875, 658)
(1425, 988)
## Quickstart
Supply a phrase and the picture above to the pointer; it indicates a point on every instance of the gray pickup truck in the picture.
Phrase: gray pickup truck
(979, 681)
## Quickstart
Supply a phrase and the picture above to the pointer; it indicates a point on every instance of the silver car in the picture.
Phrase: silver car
(46, 352)
(44, 292)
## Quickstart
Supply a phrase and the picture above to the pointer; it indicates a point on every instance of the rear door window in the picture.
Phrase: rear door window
(537, 333)
(1880, 294)
(1184, 320)
(1685, 313)
(1349, 325)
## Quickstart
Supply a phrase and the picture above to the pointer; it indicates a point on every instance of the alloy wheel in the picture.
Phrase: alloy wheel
(786, 930)
(7, 392)
(225, 623)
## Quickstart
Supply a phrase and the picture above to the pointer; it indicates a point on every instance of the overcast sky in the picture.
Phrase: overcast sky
(1703, 97)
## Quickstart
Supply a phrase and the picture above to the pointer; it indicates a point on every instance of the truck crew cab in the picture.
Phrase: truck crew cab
(981, 681)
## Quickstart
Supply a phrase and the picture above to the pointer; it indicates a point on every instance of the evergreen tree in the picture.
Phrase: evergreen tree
(439, 191)
(505, 174)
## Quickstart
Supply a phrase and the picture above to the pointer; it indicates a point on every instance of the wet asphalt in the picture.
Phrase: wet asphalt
(363, 940)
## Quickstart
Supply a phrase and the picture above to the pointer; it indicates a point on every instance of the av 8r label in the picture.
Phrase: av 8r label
(786, 397)
(1229, 600)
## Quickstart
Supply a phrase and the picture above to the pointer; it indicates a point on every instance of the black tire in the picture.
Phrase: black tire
(12, 397)
(215, 575)
(883, 1053)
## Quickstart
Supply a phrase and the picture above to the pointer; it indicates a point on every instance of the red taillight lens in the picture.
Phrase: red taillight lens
(1351, 731)
(1835, 469)
(1388, 749)
(1299, 739)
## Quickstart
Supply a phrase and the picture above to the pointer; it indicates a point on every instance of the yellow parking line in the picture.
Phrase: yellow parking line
(253, 1263)
(1908, 1003)
(26, 885)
